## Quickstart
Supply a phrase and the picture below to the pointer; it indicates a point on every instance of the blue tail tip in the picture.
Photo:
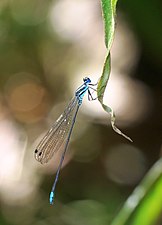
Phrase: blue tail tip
(51, 197)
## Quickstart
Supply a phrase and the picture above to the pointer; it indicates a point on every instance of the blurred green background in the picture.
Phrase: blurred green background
(46, 49)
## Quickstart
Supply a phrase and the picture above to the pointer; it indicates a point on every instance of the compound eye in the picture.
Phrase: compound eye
(87, 80)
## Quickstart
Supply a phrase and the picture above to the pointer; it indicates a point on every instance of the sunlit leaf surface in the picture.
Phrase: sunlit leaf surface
(109, 11)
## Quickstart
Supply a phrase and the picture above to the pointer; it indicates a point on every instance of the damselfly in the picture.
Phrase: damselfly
(59, 134)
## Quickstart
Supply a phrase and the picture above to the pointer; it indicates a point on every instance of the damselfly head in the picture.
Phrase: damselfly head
(87, 80)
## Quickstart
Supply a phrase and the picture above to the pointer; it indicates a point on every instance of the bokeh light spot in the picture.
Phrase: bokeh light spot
(27, 98)
(13, 142)
(76, 20)
(125, 164)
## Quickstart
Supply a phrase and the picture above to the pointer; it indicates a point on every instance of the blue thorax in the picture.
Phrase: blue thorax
(80, 92)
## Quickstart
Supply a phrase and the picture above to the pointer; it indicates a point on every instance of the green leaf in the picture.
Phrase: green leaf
(144, 206)
(104, 79)
(109, 12)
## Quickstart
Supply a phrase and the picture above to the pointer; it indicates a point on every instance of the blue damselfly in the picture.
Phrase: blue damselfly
(59, 134)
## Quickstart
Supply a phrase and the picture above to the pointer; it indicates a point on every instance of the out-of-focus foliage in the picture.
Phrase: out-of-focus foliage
(46, 48)
(144, 206)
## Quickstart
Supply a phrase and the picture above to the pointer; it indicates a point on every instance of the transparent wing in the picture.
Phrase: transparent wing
(57, 134)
